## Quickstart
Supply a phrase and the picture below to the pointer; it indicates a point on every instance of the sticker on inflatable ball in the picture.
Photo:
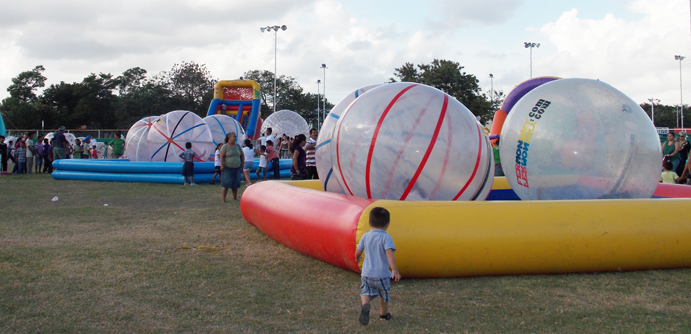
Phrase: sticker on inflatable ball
(323, 152)
(407, 141)
(579, 139)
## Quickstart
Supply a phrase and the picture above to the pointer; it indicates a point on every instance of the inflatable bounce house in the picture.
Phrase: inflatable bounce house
(241, 100)
(154, 143)
(577, 197)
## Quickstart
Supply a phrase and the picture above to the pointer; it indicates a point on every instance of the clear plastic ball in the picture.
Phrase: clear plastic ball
(136, 146)
(222, 125)
(323, 151)
(407, 141)
(579, 139)
(167, 137)
(285, 121)
(71, 139)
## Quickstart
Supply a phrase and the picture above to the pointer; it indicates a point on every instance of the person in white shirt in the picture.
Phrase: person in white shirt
(29, 140)
(311, 149)
(269, 136)
(262, 162)
(248, 151)
(217, 163)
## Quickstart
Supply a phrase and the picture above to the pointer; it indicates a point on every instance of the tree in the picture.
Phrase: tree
(666, 115)
(24, 85)
(289, 95)
(19, 108)
(448, 77)
(191, 85)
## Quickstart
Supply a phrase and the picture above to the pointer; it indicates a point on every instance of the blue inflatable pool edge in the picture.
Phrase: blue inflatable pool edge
(145, 178)
(150, 172)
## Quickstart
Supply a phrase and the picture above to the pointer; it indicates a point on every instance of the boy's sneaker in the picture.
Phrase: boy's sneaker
(186, 184)
(386, 317)
(364, 314)
(193, 184)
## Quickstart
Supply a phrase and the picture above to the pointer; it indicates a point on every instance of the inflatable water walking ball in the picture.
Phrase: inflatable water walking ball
(285, 121)
(407, 141)
(221, 125)
(136, 146)
(167, 137)
(323, 151)
(579, 139)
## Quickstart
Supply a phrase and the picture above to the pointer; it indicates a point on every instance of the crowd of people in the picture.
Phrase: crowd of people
(675, 166)
(36, 157)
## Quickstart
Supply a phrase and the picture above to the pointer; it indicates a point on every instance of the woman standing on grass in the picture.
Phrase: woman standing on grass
(232, 160)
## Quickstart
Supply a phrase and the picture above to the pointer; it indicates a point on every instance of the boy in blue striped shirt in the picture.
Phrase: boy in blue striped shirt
(376, 277)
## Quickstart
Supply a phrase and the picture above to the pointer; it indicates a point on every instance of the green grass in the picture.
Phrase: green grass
(77, 266)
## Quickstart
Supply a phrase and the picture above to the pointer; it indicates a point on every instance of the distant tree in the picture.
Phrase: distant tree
(191, 85)
(289, 95)
(666, 115)
(24, 85)
(448, 76)
(19, 109)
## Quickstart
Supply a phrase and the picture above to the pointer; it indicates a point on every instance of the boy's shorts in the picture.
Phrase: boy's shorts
(261, 169)
(376, 287)
(188, 169)
(217, 169)
(38, 161)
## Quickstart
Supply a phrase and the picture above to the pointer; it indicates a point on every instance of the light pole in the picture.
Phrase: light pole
(530, 45)
(491, 90)
(324, 96)
(318, 96)
(681, 95)
(275, 29)
(652, 108)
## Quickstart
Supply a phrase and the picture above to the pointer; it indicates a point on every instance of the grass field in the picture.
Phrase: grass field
(138, 265)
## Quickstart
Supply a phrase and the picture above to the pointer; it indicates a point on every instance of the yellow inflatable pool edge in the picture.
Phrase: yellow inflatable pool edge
(459, 239)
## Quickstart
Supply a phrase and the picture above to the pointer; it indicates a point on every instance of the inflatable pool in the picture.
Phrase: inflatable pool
(138, 171)
(457, 239)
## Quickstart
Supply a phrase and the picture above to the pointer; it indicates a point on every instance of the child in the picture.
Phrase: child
(94, 152)
(668, 176)
(248, 151)
(217, 163)
(21, 158)
(3, 154)
(188, 167)
(262, 162)
(77, 150)
(379, 248)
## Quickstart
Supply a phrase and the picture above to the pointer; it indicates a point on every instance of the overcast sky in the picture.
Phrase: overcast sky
(629, 44)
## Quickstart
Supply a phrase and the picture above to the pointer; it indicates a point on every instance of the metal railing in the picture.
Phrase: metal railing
(94, 133)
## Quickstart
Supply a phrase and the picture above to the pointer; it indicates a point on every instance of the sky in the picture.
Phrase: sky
(629, 44)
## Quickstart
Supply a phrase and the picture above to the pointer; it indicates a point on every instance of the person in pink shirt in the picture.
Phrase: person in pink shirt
(272, 156)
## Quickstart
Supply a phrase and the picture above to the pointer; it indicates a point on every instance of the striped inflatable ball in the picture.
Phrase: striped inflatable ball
(407, 141)
(323, 152)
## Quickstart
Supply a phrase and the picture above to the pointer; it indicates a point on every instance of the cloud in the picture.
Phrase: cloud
(635, 56)
(460, 13)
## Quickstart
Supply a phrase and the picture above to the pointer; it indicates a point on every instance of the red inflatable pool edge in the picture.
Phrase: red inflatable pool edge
(306, 221)
(672, 191)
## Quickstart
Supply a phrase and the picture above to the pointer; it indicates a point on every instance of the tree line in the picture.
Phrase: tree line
(107, 101)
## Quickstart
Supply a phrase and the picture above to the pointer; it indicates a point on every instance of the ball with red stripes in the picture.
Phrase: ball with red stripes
(407, 141)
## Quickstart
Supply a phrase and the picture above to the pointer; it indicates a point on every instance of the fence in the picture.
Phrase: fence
(96, 133)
